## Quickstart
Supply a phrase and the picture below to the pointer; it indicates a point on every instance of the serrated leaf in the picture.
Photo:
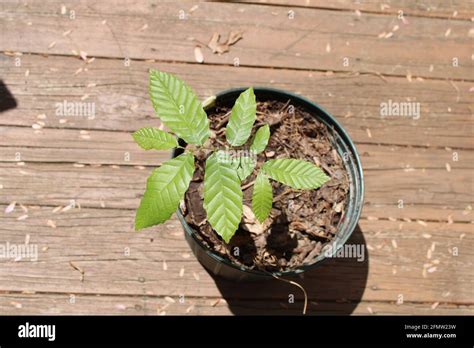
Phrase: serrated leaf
(154, 138)
(244, 165)
(164, 190)
(262, 197)
(241, 118)
(260, 140)
(222, 197)
(178, 107)
(295, 173)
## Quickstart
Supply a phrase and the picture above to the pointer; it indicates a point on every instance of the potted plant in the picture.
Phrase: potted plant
(265, 184)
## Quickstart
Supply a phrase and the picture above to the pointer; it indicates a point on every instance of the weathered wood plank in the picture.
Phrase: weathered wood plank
(121, 99)
(96, 241)
(458, 9)
(433, 194)
(278, 41)
(52, 145)
(55, 304)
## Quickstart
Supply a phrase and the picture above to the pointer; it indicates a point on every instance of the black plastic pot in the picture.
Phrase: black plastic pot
(219, 266)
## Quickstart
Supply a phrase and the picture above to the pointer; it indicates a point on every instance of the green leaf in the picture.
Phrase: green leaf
(262, 197)
(164, 190)
(242, 118)
(178, 107)
(260, 141)
(244, 165)
(222, 197)
(154, 138)
(295, 173)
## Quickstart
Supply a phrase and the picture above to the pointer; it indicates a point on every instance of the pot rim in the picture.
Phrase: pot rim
(337, 129)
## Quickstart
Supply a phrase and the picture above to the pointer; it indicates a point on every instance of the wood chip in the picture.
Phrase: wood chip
(369, 133)
(450, 220)
(328, 47)
(448, 32)
(431, 269)
(196, 276)
(10, 208)
(169, 299)
(190, 309)
(83, 55)
(55, 210)
(426, 235)
(67, 32)
(181, 272)
(394, 244)
(372, 218)
(77, 268)
(144, 27)
(435, 305)
(369, 309)
(22, 217)
(422, 223)
(51, 223)
(198, 54)
(448, 167)
(165, 266)
(185, 256)
(215, 302)
(217, 47)
(66, 208)
(16, 304)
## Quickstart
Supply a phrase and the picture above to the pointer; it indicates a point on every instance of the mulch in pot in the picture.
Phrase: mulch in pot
(301, 222)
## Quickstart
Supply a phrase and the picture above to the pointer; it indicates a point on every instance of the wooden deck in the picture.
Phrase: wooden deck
(347, 57)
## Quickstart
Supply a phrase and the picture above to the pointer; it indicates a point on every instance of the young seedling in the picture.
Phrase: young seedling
(180, 110)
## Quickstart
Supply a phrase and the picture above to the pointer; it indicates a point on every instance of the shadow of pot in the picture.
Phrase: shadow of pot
(220, 267)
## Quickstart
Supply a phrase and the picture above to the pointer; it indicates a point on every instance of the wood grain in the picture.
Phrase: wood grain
(453, 10)
(277, 41)
(440, 194)
(95, 240)
(422, 251)
(122, 103)
(83, 304)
